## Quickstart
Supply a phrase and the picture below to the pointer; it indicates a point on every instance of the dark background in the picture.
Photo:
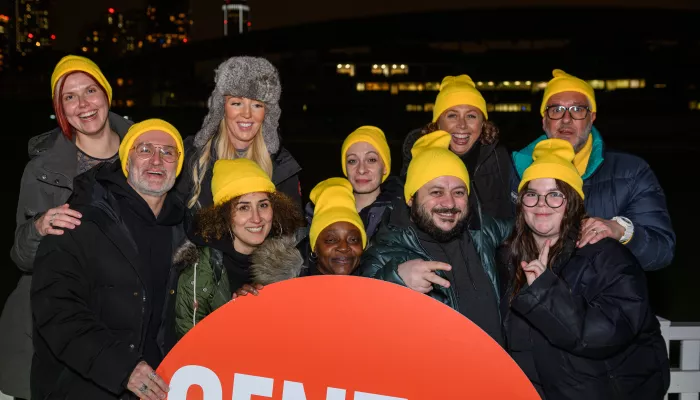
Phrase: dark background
(654, 41)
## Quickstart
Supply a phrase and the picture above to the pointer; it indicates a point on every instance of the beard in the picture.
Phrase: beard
(424, 220)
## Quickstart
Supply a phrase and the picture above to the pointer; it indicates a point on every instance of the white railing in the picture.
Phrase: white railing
(685, 380)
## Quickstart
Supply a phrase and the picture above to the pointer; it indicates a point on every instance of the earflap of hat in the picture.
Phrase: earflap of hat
(270, 128)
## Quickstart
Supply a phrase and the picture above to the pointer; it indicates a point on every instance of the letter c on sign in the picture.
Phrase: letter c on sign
(190, 375)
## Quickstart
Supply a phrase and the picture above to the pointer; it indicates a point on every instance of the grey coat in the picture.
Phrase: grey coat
(47, 182)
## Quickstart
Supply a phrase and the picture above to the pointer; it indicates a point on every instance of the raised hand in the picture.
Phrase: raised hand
(536, 267)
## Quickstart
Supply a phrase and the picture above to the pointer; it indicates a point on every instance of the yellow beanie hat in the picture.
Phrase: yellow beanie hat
(563, 82)
(432, 159)
(456, 90)
(142, 127)
(333, 202)
(553, 158)
(233, 178)
(373, 136)
(78, 63)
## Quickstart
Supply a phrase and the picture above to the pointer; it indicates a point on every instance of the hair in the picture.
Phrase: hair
(489, 131)
(214, 222)
(521, 243)
(220, 147)
(61, 118)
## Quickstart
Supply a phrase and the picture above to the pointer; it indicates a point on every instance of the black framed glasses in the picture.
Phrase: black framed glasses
(145, 151)
(576, 112)
(552, 199)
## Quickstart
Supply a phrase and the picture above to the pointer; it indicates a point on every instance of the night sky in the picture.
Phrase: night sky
(66, 22)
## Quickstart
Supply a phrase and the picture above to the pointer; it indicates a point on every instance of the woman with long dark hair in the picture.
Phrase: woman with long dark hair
(576, 320)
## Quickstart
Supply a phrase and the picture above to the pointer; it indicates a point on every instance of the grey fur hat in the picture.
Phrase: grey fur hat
(251, 77)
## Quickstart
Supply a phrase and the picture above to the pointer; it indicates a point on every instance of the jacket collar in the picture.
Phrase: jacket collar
(523, 158)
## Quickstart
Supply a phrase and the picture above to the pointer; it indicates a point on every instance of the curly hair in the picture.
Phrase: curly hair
(214, 222)
(489, 131)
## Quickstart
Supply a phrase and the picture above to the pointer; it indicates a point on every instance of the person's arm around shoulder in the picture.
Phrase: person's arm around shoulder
(60, 297)
(597, 323)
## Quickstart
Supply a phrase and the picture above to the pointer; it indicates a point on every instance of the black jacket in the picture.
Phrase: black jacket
(490, 177)
(90, 296)
(585, 330)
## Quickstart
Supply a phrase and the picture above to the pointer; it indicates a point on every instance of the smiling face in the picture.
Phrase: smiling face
(439, 208)
(339, 247)
(464, 123)
(243, 119)
(572, 130)
(365, 167)
(251, 221)
(152, 176)
(84, 103)
(543, 220)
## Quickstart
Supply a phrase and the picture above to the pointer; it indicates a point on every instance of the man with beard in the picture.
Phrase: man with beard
(98, 296)
(623, 196)
(434, 246)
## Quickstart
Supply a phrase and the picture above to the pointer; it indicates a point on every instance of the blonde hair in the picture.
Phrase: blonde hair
(225, 151)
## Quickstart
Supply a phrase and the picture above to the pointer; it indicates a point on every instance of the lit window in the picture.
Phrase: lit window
(120, 81)
(394, 89)
(345, 69)
(84, 49)
(428, 107)
(597, 84)
(130, 103)
(399, 69)
(380, 70)
(659, 86)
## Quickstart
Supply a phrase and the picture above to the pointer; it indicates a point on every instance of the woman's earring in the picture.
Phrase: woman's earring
(313, 256)
(279, 225)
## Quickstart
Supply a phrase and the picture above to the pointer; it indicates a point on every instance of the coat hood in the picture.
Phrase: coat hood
(277, 259)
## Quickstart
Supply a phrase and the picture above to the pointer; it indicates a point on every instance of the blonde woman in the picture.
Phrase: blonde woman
(242, 123)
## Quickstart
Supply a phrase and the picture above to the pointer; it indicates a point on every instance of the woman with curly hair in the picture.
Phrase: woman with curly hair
(460, 109)
(247, 214)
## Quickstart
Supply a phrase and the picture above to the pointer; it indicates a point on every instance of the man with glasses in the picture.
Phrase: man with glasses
(623, 197)
(101, 294)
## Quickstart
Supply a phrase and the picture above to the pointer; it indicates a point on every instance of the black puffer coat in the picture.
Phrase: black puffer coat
(585, 330)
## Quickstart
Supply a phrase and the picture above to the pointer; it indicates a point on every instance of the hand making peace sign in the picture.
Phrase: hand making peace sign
(536, 267)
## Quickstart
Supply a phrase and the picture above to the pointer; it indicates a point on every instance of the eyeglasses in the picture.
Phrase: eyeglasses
(145, 151)
(552, 199)
(576, 112)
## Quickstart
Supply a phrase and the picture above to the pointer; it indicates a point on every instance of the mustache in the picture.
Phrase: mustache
(445, 210)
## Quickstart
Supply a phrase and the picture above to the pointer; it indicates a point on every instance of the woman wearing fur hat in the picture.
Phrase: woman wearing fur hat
(366, 162)
(246, 216)
(460, 109)
(576, 320)
(242, 122)
(87, 134)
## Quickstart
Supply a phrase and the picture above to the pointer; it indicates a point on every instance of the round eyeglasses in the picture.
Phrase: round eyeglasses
(558, 112)
(552, 199)
(145, 151)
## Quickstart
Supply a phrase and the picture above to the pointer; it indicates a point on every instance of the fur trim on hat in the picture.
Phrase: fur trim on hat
(251, 77)
(277, 259)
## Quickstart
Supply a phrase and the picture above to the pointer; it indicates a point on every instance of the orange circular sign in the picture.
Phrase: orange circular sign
(340, 338)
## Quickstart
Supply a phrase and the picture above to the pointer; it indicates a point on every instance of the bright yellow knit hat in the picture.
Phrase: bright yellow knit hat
(77, 63)
(333, 202)
(142, 127)
(563, 82)
(456, 90)
(432, 158)
(233, 178)
(373, 136)
(553, 158)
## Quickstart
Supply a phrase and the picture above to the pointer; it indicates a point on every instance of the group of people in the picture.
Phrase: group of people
(128, 235)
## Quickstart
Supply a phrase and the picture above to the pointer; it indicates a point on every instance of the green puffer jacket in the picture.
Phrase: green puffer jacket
(203, 284)
(397, 242)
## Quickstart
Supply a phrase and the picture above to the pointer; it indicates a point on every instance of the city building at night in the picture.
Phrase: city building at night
(167, 23)
(5, 40)
(236, 17)
(32, 25)
(116, 34)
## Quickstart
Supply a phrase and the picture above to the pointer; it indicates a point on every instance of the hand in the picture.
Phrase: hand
(419, 275)
(536, 267)
(146, 384)
(57, 217)
(245, 289)
(595, 229)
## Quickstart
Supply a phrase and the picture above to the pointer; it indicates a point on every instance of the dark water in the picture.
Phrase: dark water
(315, 142)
